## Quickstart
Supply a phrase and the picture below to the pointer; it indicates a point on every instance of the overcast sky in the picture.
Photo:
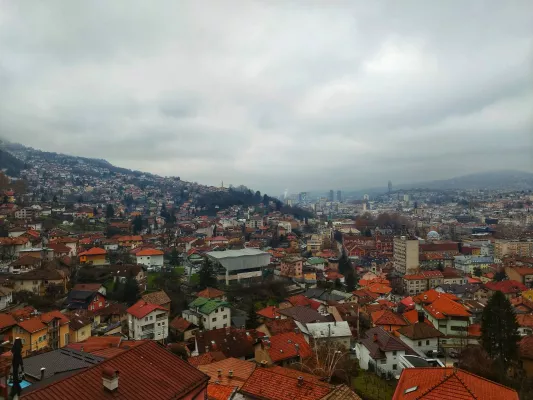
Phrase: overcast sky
(273, 94)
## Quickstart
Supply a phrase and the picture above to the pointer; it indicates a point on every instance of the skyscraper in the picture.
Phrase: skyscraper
(339, 196)
(331, 195)
(390, 187)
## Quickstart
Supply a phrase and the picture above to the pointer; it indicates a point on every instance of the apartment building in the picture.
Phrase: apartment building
(406, 258)
(147, 321)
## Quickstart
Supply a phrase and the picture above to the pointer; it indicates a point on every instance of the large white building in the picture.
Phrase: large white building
(242, 266)
(208, 313)
(147, 321)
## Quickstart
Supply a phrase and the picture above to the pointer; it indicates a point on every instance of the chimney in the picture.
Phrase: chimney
(207, 349)
(110, 379)
(43, 370)
(421, 316)
(219, 373)
(230, 373)
(375, 337)
(300, 381)
(297, 347)
(296, 330)
(264, 363)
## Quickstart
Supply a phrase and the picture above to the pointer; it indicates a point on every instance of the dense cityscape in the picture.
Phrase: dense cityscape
(326, 296)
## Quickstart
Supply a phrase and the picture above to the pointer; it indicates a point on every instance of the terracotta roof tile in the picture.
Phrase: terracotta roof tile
(95, 251)
(158, 298)
(444, 307)
(387, 317)
(506, 287)
(277, 326)
(149, 252)
(32, 325)
(146, 371)
(141, 309)
(270, 312)
(216, 391)
(448, 383)
(219, 371)
(269, 385)
(6, 321)
(210, 293)
(283, 346)
(206, 358)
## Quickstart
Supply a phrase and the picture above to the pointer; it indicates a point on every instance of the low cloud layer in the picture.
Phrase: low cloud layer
(272, 94)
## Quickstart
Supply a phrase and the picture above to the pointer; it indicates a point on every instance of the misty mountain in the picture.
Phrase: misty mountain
(492, 180)
(11, 164)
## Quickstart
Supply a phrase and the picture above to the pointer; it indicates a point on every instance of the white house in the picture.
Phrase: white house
(337, 333)
(150, 257)
(381, 351)
(6, 297)
(209, 313)
(147, 321)
(421, 337)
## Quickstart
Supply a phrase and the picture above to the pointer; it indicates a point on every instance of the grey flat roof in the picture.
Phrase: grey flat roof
(219, 255)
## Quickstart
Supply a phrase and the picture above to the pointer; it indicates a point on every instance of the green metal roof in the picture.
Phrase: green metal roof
(316, 260)
(207, 306)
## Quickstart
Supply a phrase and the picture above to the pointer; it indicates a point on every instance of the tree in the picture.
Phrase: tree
(137, 224)
(55, 199)
(350, 279)
(440, 267)
(174, 257)
(499, 329)
(252, 321)
(500, 276)
(477, 271)
(207, 277)
(131, 291)
(344, 264)
(109, 211)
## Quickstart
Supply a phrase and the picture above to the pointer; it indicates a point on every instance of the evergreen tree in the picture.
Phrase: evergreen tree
(477, 271)
(351, 280)
(174, 257)
(109, 211)
(345, 265)
(252, 321)
(206, 275)
(499, 329)
(54, 199)
(137, 225)
(131, 291)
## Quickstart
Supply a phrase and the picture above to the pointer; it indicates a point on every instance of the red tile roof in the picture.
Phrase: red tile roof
(49, 316)
(270, 312)
(525, 320)
(149, 252)
(283, 346)
(379, 288)
(444, 307)
(6, 321)
(387, 317)
(206, 358)
(95, 251)
(146, 371)
(219, 371)
(266, 384)
(431, 295)
(216, 391)
(506, 287)
(32, 325)
(87, 287)
(412, 317)
(210, 293)
(448, 383)
(141, 309)
(277, 326)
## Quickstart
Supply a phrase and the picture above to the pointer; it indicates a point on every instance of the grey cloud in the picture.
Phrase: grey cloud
(301, 94)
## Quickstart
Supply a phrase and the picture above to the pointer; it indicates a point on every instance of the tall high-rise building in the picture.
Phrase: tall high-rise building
(406, 251)
(302, 197)
(390, 187)
(339, 196)
(331, 195)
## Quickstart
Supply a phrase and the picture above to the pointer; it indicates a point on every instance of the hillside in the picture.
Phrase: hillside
(10, 163)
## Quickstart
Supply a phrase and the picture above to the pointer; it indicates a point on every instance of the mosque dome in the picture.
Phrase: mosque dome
(432, 235)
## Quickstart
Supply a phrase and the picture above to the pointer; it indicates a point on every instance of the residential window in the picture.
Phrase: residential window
(394, 367)
(394, 353)
(420, 343)
(225, 316)
(383, 361)
(205, 319)
(145, 319)
(214, 320)
(427, 342)
(151, 317)
(100, 304)
(221, 309)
